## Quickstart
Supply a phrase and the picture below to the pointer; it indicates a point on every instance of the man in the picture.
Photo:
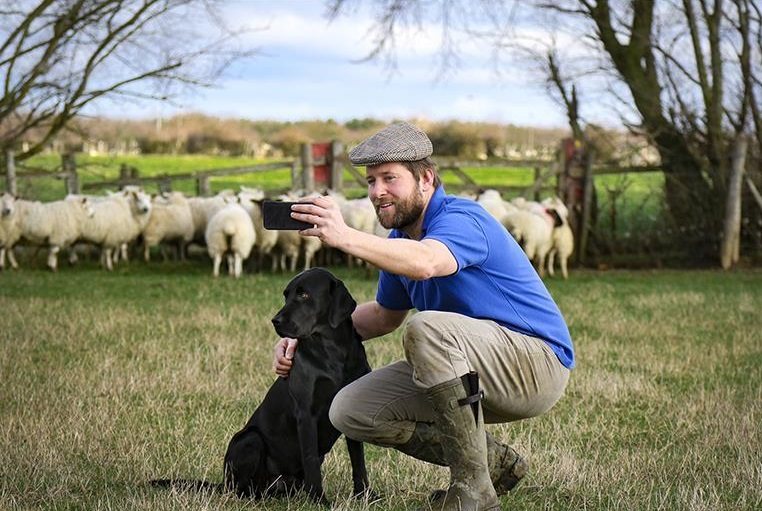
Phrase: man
(481, 309)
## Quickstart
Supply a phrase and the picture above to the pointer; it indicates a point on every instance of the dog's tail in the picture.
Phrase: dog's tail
(187, 485)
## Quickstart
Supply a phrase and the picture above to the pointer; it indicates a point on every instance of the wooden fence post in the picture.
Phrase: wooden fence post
(11, 186)
(203, 186)
(308, 170)
(561, 175)
(587, 202)
(337, 168)
(165, 184)
(295, 176)
(537, 183)
(70, 169)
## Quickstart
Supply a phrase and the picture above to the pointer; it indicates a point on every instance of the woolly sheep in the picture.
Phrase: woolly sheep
(118, 219)
(10, 229)
(310, 244)
(493, 202)
(56, 224)
(534, 232)
(251, 200)
(230, 232)
(562, 238)
(202, 209)
(170, 220)
(563, 246)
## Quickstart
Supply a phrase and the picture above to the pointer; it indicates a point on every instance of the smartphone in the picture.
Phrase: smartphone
(276, 216)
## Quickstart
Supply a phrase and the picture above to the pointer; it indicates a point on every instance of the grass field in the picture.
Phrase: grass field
(111, 379)
(103, 168)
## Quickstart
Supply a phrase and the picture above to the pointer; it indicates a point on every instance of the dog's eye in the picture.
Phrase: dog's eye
(304, 295)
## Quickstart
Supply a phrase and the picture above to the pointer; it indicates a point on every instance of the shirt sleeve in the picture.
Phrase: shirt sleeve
(391, 292)
(462, 234)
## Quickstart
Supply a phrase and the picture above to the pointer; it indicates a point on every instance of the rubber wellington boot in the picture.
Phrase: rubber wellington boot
(506, 466)
(461, 423)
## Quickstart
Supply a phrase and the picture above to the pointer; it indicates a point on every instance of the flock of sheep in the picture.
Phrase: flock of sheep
(230, 226)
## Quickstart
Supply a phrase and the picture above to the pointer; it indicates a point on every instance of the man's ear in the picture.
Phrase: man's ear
(342, 304)
(427, 179)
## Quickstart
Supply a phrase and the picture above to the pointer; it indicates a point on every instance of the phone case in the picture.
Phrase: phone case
(276, 216)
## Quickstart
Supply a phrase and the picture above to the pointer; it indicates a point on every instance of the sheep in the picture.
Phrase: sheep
(534, 232)
(118, 220)
(289, 243)
(202, 209)
(358, 214)
(562, 237)
(171, 220)
(10, 229)
(230, 232)
(493, 202)
(56, 224)
(251, 200)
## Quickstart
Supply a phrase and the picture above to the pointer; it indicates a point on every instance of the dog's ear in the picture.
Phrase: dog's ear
(342, 304)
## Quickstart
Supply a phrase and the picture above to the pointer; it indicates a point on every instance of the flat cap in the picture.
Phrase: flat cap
(397, 142)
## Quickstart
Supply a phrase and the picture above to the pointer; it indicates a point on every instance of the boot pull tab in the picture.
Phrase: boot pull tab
(474, 394)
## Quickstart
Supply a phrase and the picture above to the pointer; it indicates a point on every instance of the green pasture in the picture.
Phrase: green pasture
(111, 379)
(635, 199)
(103, 168)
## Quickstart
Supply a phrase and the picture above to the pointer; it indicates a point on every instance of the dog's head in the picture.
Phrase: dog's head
(314, 299)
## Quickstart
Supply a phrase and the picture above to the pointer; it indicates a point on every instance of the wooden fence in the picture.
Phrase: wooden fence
(549, 178)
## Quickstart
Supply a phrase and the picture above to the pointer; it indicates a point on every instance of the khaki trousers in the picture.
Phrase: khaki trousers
(520, 375)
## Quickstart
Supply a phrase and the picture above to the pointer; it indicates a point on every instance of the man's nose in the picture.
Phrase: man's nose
(376, 190)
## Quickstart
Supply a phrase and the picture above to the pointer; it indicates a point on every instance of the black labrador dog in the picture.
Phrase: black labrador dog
(282, 446)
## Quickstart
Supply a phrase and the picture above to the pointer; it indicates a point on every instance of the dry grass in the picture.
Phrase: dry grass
(111, 380)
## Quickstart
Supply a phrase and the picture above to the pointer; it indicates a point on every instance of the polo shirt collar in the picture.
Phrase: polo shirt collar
(435, 205)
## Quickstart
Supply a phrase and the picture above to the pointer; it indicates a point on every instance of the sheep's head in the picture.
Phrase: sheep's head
(139, 200)
(251, 194)
(557, 205)
(84, 203)
(7, 204)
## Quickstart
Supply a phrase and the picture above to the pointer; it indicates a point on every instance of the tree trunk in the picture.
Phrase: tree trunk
(731, 232)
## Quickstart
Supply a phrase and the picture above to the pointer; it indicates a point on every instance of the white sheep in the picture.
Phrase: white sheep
(118, 219)
(56, 224)
(562, 237)
(230, 232)
(10, 229)
(493, 202)
(289, 244)
(202, 209)
(534, 231)
(170, 220)
(251, 200)
(361, 215)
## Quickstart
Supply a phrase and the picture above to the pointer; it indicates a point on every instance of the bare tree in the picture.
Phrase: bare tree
(58, 56)
(687, 73)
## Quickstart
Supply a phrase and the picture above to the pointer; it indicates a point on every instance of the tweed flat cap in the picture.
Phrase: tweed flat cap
(397, 142)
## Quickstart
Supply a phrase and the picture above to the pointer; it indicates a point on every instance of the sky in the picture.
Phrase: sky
(307, 69)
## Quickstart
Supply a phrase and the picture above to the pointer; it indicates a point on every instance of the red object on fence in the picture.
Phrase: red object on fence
(321, 163)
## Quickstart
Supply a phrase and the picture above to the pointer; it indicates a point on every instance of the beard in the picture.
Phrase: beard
(406, 212)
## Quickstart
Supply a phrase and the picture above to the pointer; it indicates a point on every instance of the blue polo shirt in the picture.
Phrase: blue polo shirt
(494, 279)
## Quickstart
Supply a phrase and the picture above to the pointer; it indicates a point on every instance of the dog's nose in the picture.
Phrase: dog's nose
(277, 321)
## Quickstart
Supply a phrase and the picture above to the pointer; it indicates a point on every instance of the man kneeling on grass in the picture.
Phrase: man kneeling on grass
(488, 344)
